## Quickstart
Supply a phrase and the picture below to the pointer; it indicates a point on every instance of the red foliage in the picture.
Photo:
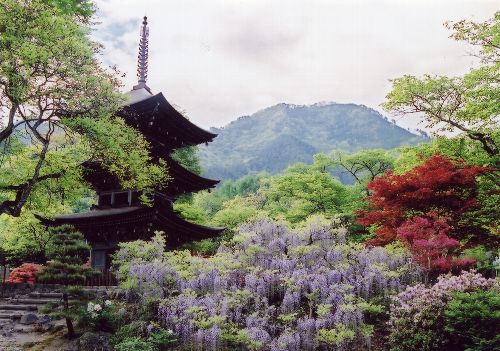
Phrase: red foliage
(427, 239)
(423, 209)
(25, 273)
(439, 184)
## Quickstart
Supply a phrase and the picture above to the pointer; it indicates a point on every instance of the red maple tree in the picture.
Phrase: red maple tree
(438, 188)
(428, 241)
(25, 273)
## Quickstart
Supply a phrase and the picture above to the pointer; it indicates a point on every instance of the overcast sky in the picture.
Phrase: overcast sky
(219, 60)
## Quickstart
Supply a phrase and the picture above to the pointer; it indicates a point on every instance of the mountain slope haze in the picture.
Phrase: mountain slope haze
(278, 136)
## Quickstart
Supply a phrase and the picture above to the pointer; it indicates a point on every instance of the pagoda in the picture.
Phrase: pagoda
(119, 214)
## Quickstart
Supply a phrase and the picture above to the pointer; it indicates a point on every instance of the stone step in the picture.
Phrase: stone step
(37, 295)
(18, 307)
(31, 301)
(10, 315)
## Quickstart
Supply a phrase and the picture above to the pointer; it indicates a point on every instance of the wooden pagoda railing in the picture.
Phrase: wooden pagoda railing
(105, 278)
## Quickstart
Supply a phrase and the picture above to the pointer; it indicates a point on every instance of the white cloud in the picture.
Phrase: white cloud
(222, 59)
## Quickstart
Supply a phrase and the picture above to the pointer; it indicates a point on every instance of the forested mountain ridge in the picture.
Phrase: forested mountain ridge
(275, 137)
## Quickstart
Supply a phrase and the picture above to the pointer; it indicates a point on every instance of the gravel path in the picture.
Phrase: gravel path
(9, 344)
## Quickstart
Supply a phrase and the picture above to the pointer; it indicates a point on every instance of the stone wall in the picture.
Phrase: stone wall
(17, 289)
(14, 289)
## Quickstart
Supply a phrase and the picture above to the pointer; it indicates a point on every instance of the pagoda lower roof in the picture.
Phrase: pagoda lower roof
(177, 230)
(104, 213)
(160, 122)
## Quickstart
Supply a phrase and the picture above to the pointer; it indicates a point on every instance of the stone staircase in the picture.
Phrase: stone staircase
(22, 321)
(15, 308)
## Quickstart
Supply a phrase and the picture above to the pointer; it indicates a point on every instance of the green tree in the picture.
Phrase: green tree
(468, 104)
(188, 158)
(81, 9)
(190, 212)
(59, 105)
(66, 267)
(25, 239)
(302, 191)
(210, 202)
(243, 186)
(471, 320)
(235, 212)
(4, 260)
(365, 165)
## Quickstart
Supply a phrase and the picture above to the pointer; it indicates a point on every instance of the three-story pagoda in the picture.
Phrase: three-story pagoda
(119, 215)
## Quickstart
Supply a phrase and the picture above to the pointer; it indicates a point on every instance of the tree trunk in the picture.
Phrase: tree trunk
(69, 323)
(487, 142)
(3, 278)
(71, 329)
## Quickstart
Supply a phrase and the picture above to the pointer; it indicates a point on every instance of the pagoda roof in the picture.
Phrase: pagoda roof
(110, 212)
(137, 95)
(185, 181)
(177, 230)
(160, 122)
(182, 181)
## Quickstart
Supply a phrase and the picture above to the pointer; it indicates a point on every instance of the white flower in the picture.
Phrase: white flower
(108, 303)
(97, 307)
(90, 307)
(496, 263)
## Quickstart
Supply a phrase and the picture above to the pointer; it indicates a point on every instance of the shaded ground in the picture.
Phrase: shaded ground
(26, 338)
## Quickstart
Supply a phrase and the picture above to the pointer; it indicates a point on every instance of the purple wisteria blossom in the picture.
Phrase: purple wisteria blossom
(273, 288)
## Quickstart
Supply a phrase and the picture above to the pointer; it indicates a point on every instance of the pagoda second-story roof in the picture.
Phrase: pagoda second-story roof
(182, 181)
(160, 122)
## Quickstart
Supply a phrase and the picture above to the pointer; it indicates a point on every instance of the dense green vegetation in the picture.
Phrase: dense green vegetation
(303, 190)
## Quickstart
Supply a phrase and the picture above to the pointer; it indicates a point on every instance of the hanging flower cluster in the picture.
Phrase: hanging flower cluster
(271, 288)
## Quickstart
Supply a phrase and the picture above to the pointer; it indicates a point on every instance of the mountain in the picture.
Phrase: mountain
(273, 138)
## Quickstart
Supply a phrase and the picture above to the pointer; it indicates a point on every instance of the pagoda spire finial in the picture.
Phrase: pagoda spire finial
(142, 58)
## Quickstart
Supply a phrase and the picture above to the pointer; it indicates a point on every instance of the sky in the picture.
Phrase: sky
(218, 60)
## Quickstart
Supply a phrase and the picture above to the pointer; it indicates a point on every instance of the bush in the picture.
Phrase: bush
(25, 273)
(99, 316)
(161, 338)
(133, 329)
(271, 288)
(472, 320)
(417, 316)
(140, 335)
(483, 258)
(136, 252)
(134, 344)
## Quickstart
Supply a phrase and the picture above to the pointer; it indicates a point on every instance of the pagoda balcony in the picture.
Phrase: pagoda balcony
(119, 198)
